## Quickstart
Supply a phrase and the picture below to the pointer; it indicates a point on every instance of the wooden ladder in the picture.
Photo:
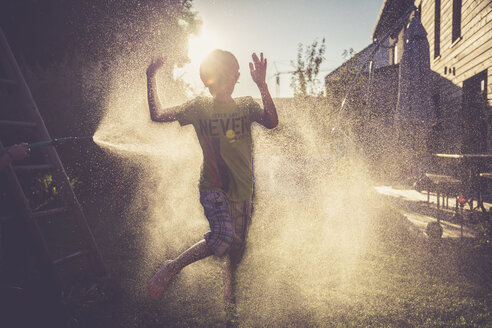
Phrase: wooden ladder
(26, 120)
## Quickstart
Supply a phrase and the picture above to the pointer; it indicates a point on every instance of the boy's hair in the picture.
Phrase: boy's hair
(218, 65)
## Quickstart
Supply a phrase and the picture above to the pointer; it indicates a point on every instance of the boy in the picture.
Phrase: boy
(223, 127)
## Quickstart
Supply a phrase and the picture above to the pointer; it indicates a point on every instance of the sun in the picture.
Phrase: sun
(201, 45)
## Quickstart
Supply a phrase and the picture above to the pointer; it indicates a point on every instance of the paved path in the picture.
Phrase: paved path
(419, 220)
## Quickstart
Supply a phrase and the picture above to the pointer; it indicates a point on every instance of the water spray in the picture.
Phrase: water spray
(377, 44)
(58, 141)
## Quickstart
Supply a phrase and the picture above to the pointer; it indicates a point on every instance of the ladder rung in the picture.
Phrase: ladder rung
(71, 256)
(7, 82)
(16, 82)
(24, 168)
(18, 124)
(49, 212)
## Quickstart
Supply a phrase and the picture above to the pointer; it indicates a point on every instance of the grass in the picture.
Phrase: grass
(399, 280)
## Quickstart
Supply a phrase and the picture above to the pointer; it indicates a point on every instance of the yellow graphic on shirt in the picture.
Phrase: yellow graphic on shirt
(231, 135)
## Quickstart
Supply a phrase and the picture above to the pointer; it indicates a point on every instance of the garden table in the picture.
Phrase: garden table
(470, 167)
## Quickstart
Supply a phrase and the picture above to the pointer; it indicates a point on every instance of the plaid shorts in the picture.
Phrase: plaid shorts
(229, 221)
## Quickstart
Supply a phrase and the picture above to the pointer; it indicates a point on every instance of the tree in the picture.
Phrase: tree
(348, 53)
(73, 52)
(305, 80)
(47, 31)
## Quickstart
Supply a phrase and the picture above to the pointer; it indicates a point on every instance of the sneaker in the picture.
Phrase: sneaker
(158, 283)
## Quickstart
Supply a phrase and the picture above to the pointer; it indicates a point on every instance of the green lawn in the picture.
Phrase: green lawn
(336, 267)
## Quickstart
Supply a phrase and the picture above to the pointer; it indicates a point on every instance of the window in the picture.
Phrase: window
(456, 20)
(437, 29)
(474, 112)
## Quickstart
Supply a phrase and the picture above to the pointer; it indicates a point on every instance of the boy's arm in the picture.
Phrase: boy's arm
(268, 116)
(155, 107)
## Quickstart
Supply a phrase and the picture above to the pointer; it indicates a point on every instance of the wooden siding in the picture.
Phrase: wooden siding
(473, 52)
(466, 57)
(458, 61)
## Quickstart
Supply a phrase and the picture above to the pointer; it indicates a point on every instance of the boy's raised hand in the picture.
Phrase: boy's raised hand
(154, 65)
(258, 69)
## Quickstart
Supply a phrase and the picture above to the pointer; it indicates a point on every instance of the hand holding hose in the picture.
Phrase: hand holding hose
(19, 151)
(13, 153)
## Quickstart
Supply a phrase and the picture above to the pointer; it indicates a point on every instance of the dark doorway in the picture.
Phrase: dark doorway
(474, 109)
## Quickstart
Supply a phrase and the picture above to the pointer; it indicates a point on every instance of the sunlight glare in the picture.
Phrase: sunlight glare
(199, 46)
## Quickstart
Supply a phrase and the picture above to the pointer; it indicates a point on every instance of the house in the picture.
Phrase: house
(459, 33)
(372, 99)
(460, 39)
(368, 59)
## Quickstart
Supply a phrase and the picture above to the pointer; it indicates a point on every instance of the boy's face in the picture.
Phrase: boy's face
(226, 86)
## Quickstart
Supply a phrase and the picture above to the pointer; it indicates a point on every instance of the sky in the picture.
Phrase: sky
(276, 28)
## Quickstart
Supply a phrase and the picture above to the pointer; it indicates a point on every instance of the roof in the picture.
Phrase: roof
(354, 60)
(390, 12)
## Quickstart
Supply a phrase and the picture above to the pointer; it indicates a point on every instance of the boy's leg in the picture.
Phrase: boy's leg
(217, 241)
(241, 215)
(168, 269)
(195, 253)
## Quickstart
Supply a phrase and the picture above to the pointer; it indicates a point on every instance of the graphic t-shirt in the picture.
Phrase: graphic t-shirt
(224, 133)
